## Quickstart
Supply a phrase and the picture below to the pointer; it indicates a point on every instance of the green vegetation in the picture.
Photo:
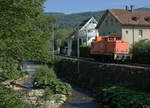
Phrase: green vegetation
(141, 51)
(10, 99)
(60, 37)
(47, 94)
(46, 78)
(121, 97)
(24, 34)
(84, 51)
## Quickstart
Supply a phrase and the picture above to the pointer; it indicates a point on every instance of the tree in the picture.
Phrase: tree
(24, 34)
(60, 37)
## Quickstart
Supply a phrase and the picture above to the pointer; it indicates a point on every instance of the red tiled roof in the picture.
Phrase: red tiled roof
(136, 18)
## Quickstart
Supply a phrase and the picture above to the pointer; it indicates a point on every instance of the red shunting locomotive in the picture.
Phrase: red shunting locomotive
(110, 48)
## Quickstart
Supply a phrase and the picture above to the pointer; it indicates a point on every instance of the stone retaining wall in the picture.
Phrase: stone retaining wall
(94, 74)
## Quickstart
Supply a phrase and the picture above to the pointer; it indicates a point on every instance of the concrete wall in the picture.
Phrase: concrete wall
(131, 33)
(110, 26)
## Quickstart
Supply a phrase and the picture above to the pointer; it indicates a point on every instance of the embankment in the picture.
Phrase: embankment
(94, 74)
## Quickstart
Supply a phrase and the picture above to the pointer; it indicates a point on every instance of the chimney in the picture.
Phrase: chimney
(127, 7)
(132, 8)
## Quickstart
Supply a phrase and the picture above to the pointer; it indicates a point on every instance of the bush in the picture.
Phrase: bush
(10, 99)
(46, 78)
(62, 88)
(141, 51)
(120, 97)
(47, 94)
(84, 51)
(43, 77)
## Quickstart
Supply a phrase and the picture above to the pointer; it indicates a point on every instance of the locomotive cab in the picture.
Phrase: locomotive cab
(113, 38)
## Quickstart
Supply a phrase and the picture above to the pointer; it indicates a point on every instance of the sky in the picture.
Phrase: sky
(77, 6)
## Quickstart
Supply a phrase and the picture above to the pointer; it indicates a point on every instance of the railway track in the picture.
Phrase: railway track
(91, 60)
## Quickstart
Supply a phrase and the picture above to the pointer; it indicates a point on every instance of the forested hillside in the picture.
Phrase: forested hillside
(71, 20)
(66, 21)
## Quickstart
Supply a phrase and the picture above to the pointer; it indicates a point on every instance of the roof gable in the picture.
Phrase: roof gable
(81, 26)
(86, 22)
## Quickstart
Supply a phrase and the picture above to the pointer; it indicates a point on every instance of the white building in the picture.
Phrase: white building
(87, 33)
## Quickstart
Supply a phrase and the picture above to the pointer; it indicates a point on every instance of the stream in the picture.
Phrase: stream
(81, 98)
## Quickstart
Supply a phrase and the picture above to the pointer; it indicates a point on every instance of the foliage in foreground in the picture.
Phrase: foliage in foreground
(121, 97)
(46, 78)
(9, 98)
(24, 33)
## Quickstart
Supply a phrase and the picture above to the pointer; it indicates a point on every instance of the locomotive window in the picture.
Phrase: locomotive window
(118, 38)
(111, 38)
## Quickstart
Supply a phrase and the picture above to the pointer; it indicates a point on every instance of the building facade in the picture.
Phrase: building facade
(132, 25)
(86, 31)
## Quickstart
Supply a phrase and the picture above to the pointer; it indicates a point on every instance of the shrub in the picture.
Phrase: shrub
(47, 94)
(121, 97)
(43, 77)
(62, 88)
(46, 78)
(84, 51)
(9, 98)
(141, 50)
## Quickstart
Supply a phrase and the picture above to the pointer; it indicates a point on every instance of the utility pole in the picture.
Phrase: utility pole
(78, 51)
(53, 33)
(86, 37)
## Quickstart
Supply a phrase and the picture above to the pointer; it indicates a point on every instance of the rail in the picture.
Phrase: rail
(91, 60)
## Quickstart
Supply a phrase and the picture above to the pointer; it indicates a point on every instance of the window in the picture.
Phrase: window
(114, 33)
(84, 40)
(106, 22)
(135, 18)
(140, 33)
(118, 38)
(147, 19)
(89, 30)
(111, 38)
(127, 32)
